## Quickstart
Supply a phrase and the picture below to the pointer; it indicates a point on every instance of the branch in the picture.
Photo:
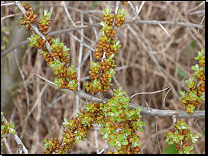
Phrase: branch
(98, 25)
(145, 110)
(168, 22)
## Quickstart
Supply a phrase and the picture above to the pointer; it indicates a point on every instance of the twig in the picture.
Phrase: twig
(50, 105)
(6, 4)
(27, 95)
(79, 63)
(12, 15)
(138, 11)
(7, 145)
(164, 99)
(164, 30)
(98, 25)
(200, 25)
(167, 22)
(150, 92)
(196, 7)
(147, 106)
(157, 137)
(38, 99)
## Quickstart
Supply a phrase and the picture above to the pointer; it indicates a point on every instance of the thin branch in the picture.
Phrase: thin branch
(157, 137)
(200, 25)
(12, 15)
(150, 92)
(164, 99)
(98, 25)
(7, 146)
(6, 4)
(79, 63)
(138, 11)
(196, 7)
(164, 30)
(168, 22)
(38, 99)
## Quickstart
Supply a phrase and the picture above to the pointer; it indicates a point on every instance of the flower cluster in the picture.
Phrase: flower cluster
(102, 73)
(194, 96)
(57, 58)
(181, 136)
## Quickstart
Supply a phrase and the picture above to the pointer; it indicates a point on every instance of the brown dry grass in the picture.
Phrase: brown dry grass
(135, 71)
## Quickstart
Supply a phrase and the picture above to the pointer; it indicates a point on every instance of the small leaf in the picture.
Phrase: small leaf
(112, 143)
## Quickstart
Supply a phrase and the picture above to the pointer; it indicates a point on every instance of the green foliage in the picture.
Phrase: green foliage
(5, 129)
(180, 136)
(193, 96)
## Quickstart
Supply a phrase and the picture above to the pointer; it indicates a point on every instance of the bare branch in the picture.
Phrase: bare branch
(150, 92)
(168, 22)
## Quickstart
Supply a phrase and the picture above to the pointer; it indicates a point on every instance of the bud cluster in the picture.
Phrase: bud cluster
(193, 97)
(44, 24)
(181, 136)
(102, 73)
(31, 17)
(5, 129)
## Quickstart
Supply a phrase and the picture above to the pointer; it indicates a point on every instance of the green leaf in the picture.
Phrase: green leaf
(12, 125)
(111, 114)
(12, 130)
(107, 125)
(120, 137)
(112, 137)
(114, 110)
(180, 137)
(46, 143)
(104, 131)
(56, 72)
(66, 122)
(118, 119)
(124, 142)
(112, 143)
(31, 44)
(118, 146)
(194, 138)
